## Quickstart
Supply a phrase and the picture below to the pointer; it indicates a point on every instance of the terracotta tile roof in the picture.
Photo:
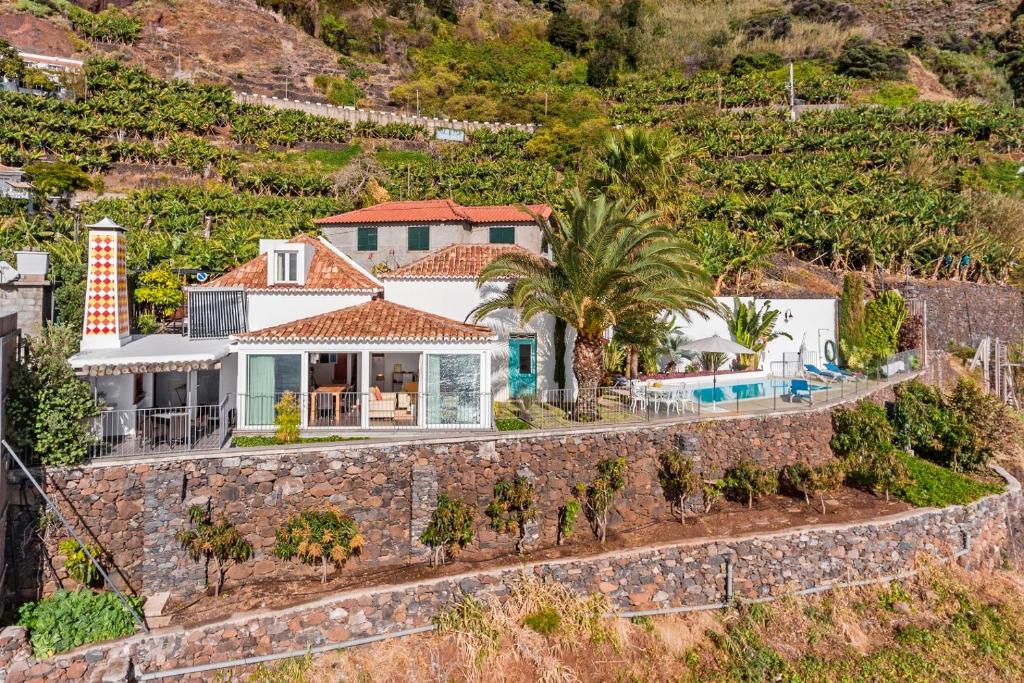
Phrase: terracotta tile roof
(375, 320)
(327, 271)
(436, 211)
(456, 261)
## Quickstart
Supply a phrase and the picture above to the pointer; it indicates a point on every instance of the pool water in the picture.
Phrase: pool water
(733, 392)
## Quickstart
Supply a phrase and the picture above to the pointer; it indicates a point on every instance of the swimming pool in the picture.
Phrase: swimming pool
(746, 390)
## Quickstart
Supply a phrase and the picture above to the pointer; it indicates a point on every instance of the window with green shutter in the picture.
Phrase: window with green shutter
(505, 235)
(419, 238)
(366, 239)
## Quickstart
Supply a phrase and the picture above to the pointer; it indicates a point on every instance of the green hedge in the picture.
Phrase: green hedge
(250, 441)
(936, 486)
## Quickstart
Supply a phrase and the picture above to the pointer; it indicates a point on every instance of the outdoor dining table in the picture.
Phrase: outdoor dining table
(335, 390)
(170, 417)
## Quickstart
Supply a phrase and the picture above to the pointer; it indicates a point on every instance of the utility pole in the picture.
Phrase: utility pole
(286, 87)
(792, 94)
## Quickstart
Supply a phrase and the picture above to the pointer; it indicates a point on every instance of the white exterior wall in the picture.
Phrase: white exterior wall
(812, 322)
(267, 309)
(456, 299)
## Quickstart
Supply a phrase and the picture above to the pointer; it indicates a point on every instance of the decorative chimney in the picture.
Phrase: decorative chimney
(106, 324)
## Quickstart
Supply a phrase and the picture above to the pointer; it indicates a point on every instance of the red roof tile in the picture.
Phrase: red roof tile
(327, 271)
(436, 211)
(376, 320)
(456, 261)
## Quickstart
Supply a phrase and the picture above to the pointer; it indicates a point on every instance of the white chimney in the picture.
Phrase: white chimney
(32, 265)
(106, 324)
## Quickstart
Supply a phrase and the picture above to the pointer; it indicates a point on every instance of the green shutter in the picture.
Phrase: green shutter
(366, 239)
(505, 235)
(419, 238)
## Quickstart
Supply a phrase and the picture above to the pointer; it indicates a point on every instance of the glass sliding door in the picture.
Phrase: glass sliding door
(453, 389)
(268, 377)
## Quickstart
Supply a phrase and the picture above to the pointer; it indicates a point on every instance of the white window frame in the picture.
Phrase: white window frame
(287, 267)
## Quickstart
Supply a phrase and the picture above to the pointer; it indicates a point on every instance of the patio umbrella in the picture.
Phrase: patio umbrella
(716, 344)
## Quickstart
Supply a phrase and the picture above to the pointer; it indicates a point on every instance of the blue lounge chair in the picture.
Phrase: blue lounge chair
(832, 367)
(800, 388)
(825, 375)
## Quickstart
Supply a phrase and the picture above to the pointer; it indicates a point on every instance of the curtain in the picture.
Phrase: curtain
(453, 389)
(261, 391)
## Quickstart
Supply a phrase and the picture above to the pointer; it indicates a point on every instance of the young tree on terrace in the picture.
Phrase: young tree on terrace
(609, 265)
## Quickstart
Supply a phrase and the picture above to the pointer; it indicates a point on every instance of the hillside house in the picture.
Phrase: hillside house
(394, 234)
(14, 184)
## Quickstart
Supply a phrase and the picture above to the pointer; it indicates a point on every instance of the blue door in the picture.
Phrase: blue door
(522, 366)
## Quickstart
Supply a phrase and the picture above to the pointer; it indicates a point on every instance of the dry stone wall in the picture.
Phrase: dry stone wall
(693, 574)
(133, 509)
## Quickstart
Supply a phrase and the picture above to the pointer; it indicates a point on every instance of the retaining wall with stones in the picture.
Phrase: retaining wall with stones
(691, 574)
(133, 509)
(965, 312)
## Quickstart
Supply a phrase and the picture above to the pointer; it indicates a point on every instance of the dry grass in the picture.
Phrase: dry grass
(695, 34)
(972, 621)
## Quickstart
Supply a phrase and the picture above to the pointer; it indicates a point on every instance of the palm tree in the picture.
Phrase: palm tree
(752, 327)
(637, 164)
(609, 265)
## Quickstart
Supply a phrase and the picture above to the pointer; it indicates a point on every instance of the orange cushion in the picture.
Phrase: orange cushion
(377, 395)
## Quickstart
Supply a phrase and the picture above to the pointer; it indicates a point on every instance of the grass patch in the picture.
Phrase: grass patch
(891, 95)
(510, 424)
(401, 157)
(339, 90)
(936, 486)
(251, 441)
(328, 159)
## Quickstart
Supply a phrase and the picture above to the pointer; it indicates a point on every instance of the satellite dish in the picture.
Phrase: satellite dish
(202, 277)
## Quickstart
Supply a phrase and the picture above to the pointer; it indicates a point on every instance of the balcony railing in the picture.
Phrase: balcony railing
(146, 431)
(387, 410)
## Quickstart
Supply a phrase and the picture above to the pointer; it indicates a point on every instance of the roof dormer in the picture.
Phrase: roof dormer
(288, 262)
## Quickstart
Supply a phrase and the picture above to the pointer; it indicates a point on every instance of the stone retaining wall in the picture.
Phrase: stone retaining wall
(133, 509)
(690, 574)
(964, 312)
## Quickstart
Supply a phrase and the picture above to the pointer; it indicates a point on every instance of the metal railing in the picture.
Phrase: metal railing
(388, 410)
(729, 394)
(143, 431)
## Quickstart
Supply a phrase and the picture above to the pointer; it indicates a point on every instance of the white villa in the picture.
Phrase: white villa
(360, 351)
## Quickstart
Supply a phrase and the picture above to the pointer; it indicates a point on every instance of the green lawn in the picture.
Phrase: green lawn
(251, 441)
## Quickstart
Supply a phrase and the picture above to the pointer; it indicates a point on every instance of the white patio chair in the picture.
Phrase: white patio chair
(665, 397)
(684, 400)
(638, 396)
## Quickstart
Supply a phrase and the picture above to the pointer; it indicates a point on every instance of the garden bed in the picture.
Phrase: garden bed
(729, 519)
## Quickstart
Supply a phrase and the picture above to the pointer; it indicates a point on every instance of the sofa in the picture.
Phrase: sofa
(391, 405)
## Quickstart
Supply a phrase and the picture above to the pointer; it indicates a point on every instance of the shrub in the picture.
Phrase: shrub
(826, 11)
(160, 290)
(749, 62)
(599, 496)
(78, 565)
(679, 481)
(68, 619)
(287, 418)
(771, 25)
(985, 423)
(512, 508)
(219, 542)
(319, 536)
(883, 318)
(797, 479)
(711, 493)
(851, 317)
(544, 621)
(826, 477)
(567, 32)
(861, 58)
(50, 410)
(860, 431)
(746, 481)
(567, 515)
(450, 528)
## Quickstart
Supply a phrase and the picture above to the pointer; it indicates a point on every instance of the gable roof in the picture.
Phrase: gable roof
(375, 320)
(455, 261)
(329, 270)
(437, 211)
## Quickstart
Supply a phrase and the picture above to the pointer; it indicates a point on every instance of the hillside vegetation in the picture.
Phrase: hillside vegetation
(884, 181)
